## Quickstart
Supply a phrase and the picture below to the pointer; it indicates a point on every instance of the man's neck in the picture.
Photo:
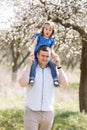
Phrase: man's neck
(42, 66)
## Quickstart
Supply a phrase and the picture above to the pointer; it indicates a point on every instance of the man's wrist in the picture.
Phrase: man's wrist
(59, 67)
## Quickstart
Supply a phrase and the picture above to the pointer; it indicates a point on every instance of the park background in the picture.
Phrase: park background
(19, 20)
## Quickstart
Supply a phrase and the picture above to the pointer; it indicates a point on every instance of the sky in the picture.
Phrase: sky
(7, 15)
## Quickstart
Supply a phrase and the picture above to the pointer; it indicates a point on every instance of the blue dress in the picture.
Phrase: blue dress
(42, 41)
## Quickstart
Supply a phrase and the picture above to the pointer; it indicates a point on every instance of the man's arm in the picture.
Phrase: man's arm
(24, 79)
(62, 76)
(33, 46)
(52, 51)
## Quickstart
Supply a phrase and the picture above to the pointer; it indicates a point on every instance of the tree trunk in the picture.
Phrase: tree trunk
(83, 78)
(14, 76)
(14, 73)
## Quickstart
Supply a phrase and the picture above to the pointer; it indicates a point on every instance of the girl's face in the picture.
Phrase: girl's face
(48, 30)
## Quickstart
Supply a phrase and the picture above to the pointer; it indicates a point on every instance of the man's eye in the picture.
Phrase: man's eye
(42, 55)
(47, 56)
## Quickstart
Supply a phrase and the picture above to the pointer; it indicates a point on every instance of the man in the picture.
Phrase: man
(39, 98)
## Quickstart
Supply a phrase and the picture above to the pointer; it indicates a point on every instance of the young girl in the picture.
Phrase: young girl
(44, 38)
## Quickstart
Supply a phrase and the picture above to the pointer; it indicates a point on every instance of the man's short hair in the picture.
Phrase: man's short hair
(43, 48)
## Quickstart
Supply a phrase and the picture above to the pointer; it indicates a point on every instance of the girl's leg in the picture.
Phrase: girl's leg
(33, 72)
(54, 73)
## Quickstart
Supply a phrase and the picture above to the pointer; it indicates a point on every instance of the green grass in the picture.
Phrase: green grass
(69, 120)
(11, 119)
(11, 111)
(74, 85)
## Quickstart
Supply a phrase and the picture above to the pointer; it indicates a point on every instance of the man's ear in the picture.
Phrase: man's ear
(37, 55)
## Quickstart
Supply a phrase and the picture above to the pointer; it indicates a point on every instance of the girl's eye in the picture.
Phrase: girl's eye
(49, 29)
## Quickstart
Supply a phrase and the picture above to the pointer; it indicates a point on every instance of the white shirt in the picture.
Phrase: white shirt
(40, 96)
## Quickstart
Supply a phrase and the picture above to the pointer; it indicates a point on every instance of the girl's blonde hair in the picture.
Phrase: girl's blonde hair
(51, 25)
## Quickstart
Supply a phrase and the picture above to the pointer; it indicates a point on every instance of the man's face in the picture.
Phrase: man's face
(43, 58)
